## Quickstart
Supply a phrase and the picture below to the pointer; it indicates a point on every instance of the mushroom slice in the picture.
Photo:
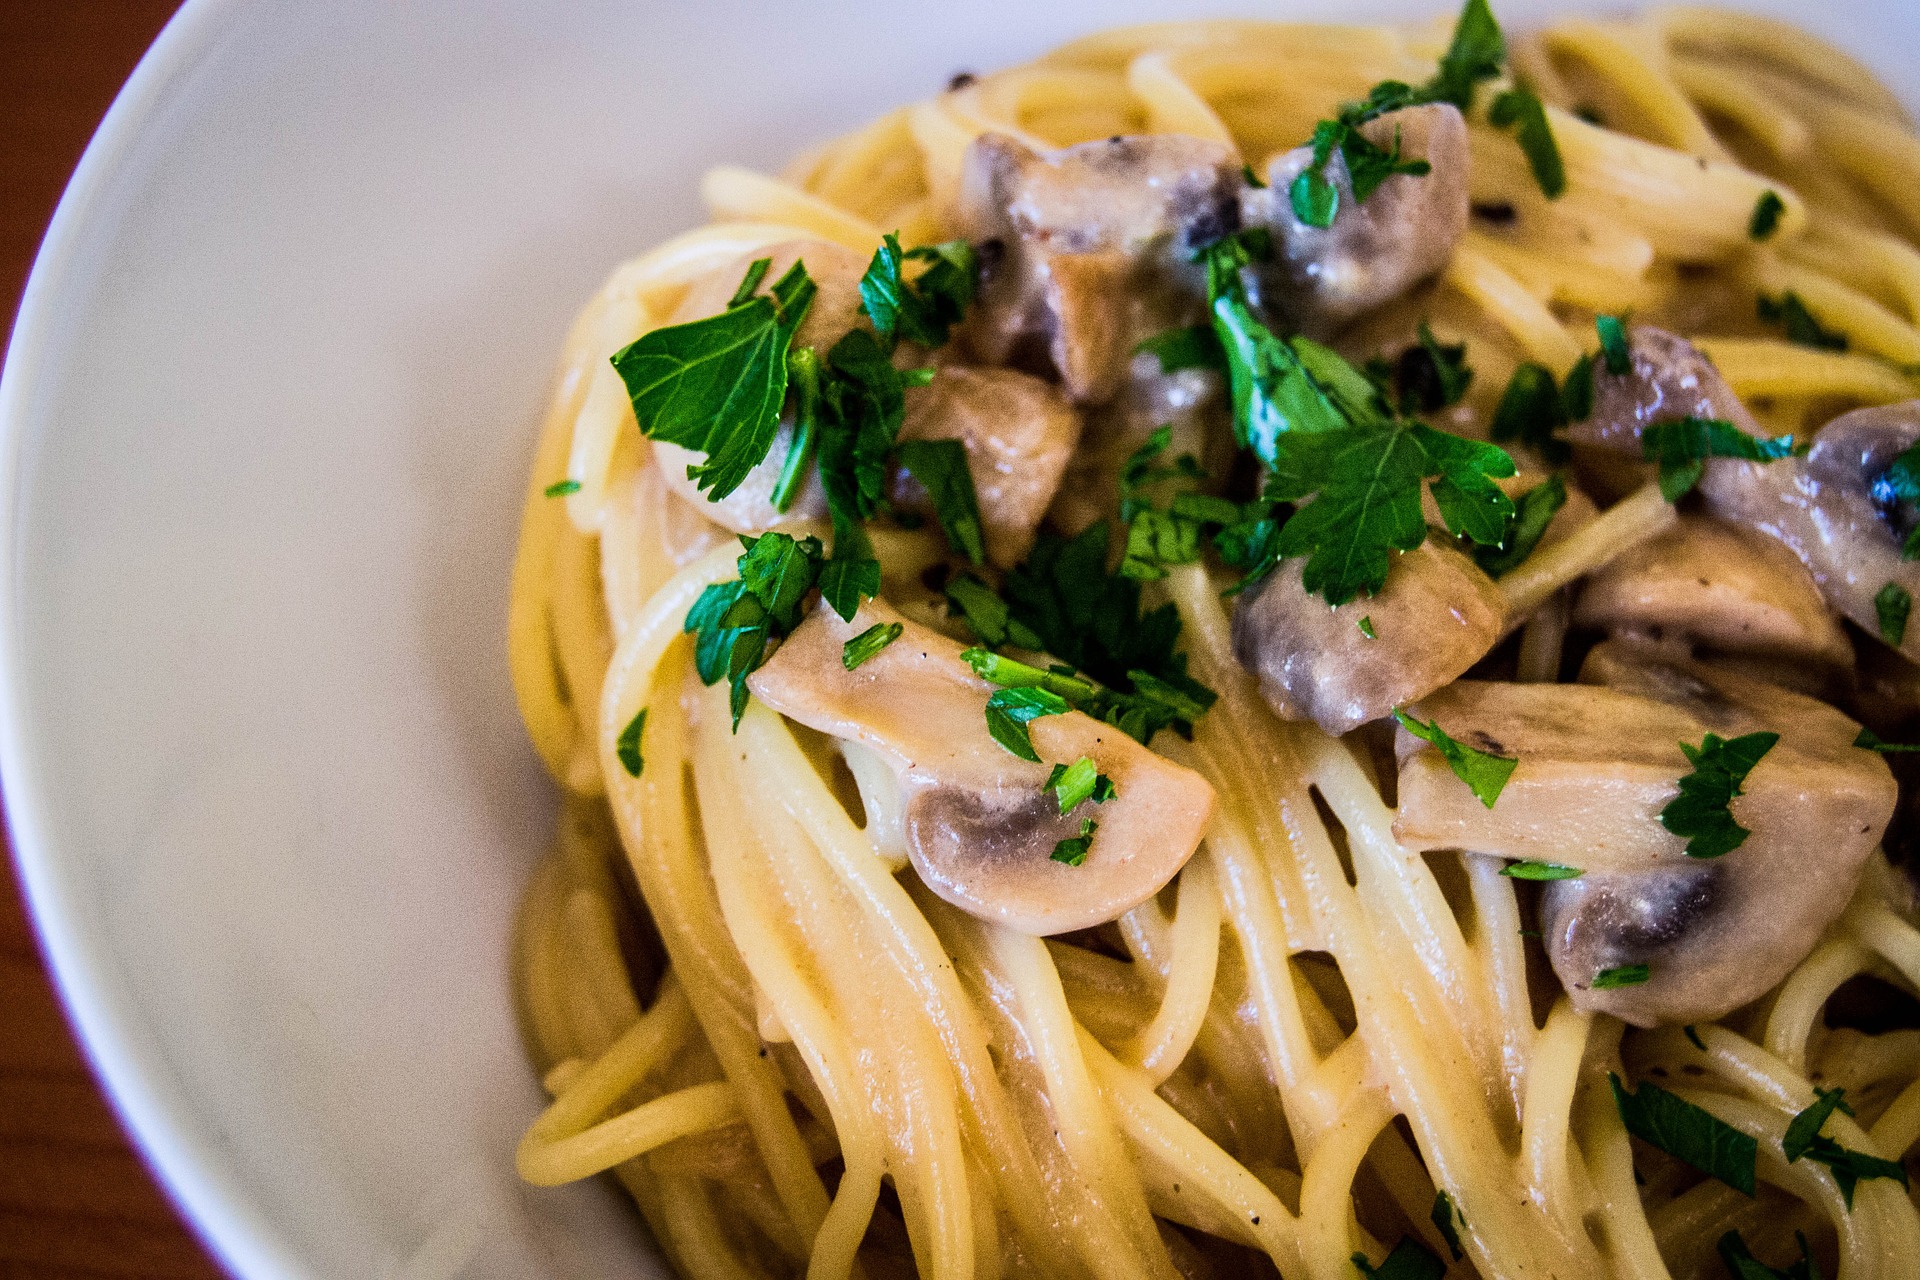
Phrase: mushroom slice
(1092, 246)
(1597, 764)
(1437, 616)
(1670, 379)
(981, 827)
(1835, 510)
(1019, 434)
(1718, 587)
(1376, 249)
(836, 270)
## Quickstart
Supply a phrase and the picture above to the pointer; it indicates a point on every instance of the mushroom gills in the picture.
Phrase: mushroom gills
(1598, 762)
(978, 822)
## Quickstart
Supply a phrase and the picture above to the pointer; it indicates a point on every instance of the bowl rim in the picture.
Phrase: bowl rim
(163, 1123)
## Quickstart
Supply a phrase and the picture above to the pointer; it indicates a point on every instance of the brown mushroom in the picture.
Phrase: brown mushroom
(1019, 434)
(1437, 615)
(1376, 249)
(1670, 379)
(1598, 762)
(1714, 587)
(1835, 510)
(1085, 251)
(980, 825)
(836, 270)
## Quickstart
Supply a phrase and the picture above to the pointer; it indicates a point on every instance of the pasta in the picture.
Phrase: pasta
(1322, 1044)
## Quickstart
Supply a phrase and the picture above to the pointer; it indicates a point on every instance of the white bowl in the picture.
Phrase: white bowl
(266, 417)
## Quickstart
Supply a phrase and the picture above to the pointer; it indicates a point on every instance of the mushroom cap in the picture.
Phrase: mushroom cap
(980, 825)
(1437, 615)
(1598, 762)
(1830, 510)
(1670, 379)
(1019, 434)
(1719, 586)
(836, 270)
(1377, 249)
(1093, 244)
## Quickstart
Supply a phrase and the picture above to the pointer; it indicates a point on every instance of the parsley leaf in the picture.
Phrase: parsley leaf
(732, 621)
(1897, 489)
(941, 468)
(1541, 871)
(1428, 376)
(561, 488)
(1806, 1126)
(1073, 850)
(1871, 741)
(627, 745)
(1804, 1140)
(1475, 54)
(1701, 813)
(1893, 604)
(922, 310)
(1443, 1214)
(1009, 711)
(1626, 975)
(987, 614)
(1613, 344)
(1314, 197)
(1744, 1266)
(1482, 771)
(1766, 215)
(717, 385)
(1520, 110)
(1410, 1260)
(1803, 330)
(1682, 446)
(1157, 538)
(750, 283)
(1074, 784)
(1366, 627)
(868, 643)
(1194, 347)
(1576, 393)
(1688, 1133)
(1154, 703)
(1531, 410)
(1531, 516)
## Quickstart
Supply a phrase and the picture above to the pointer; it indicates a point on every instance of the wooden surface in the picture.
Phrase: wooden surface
(75, 1199)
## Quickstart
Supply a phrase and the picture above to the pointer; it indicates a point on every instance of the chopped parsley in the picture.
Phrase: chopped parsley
(1251, 178)
(1485, 773)
(1742, 1265)
(1475, 53)
(1528, 524)
(1791, 314)
(941, 468)
(1314, 197)
(1626, 975)
(1688, 1133)
(1701, 813)
(1520, 110)
(1871, 741)
(1893, 604)
(1693, 1037)
(1444, 1214)
(627, 745)
(1682, 446)
(868, 643)
(1804, 1140)
(1613, 344)
(732, 621)
(987, 614)
(1429, 375)
(1410, 1260)
(923, 310)
(1073, 850)
(1532, 409)
(1153, 705)
(1010, 711)
(1541, 871)
(1074, 784)
(1576, 393)
(1366, 627)
(561, 488)
(1766, 215)
(1194, 347)
(1898, 489)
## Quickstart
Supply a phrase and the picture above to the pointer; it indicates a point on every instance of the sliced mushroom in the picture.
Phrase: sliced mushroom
(1597, 764)
(1092, 244)
(1376, 249)
(1019, 434)
(1191, 403)
(1834, 510)
(1670, 379)
(1437, 616)
(980, 826)
(836, 270)
(1713, 586)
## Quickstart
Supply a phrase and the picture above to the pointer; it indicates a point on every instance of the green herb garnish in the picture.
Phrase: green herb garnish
(1688, 1133)
(1366, 627)
(1766, 215)
(1893, 604)
(941, 468)
(1742, 1265)
(1613, 344)
(1701, 813)
(732, 621)
(1694, 1036)
(1531, 515)
(1410, 1260)
(1009, 711)
(1485, 773)
(627, 745)
(1443, 1215)
(1804, 1140)
(1314, 197)
(1074, 784)
(868, 643)
(1806, 1126)
(1541, 871)
(925, 309)
(1682, 447)
(1899, 485)
(1626, 975)
(1803, 330)
(1073, 850)
(1532, 410)
(1518, 109)
(1871, 741)
(987, 614)
(561, 488)
(1194, 347)
(1428, 376)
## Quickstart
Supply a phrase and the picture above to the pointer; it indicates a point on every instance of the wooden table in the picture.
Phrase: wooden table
(75, 1199)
